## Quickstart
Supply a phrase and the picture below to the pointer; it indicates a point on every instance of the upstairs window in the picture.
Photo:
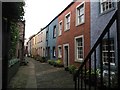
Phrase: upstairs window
(80, 14)
(106, 5)
(54, 31)
(46, 35)
(67, 22)
(60, 28)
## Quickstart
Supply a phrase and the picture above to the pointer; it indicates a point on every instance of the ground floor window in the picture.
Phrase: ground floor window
(105, 50)
(59, 51)
(54, 53)
(79, 48)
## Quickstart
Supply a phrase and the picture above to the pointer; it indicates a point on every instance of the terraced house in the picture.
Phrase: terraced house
(67, 35)
(101, 13)
(104, 56)
(73, 42)
(73, 32)
(30, 44)
(85, 34)
(40, 42)
(51, 37)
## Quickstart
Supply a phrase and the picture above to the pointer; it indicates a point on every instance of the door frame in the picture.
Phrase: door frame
(65, 62)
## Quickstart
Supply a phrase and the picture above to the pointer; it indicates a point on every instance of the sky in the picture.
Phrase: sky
(38, 13)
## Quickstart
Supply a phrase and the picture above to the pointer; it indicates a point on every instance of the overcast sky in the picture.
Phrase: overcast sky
(38, 13)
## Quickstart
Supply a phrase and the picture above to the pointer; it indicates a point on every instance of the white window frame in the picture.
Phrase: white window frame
(59, 53)
(76, 53)
(78, 16)
(106, 51)
(54, 31)
(106, 9)
(66, 23)
(54, 52)
(60, 28)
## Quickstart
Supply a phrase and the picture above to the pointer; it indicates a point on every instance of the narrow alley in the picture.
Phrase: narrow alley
(76, 47)
(41, 75)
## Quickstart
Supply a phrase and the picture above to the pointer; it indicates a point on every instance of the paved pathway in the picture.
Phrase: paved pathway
(41, 75)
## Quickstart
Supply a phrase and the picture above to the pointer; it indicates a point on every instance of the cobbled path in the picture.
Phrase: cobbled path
(48, 76)
(41, 75)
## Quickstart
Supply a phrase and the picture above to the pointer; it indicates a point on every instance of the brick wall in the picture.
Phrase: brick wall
(68, 36)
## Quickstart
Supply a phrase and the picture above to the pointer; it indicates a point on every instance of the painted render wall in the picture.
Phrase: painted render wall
(51, 40)
(41, 45)
(33, 46)
(29, 47)
(98, 23)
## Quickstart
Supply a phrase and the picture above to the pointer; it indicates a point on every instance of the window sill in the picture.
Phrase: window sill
(105, 12)
(67, 30)
(80, 24)
(60, 57)
(60, 35)
(78, 61)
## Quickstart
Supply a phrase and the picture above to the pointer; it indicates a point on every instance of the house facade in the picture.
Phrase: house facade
(29, 47)
(20, 44)
(33, 46)
(101, 13)
(37, 44)
(51, 37)
(73, 42)
(30, 43)
(66, 37)
(41, 42)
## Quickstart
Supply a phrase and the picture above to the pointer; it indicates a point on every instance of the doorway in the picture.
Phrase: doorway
(48, 53)
(66, 55)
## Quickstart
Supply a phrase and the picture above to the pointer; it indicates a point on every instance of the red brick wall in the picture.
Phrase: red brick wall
(68, 36)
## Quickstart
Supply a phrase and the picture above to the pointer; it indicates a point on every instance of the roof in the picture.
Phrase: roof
(31, 37)
(56, 17)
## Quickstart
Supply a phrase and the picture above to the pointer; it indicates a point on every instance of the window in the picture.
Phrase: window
(60, 28)
(80, 14)
(54, 54)
(79, 48)
(59, 51)
(67, 21)
(54, 31)
(105, 49)
(46, 35)
(106, 5)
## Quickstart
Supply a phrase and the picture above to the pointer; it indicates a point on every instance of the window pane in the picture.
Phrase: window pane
(80, 14)
(79, 45)
(59, 52)
(82, 18)
(105, 51)
(106, 5)
(68, 21)
(60, 28)
(81, 10)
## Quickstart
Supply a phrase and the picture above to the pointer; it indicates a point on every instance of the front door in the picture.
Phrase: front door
(48, 53)
(66, 55)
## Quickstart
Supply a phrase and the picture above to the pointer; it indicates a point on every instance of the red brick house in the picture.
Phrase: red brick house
(73, 41)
